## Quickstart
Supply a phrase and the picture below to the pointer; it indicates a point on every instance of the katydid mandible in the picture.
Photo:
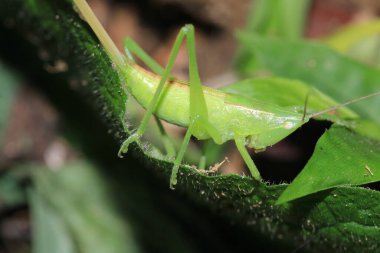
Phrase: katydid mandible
(205, 112)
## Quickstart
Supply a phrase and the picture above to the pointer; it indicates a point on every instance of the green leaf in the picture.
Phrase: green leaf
(50, 233)
(334, 74)
(341, 157)
(85, 209)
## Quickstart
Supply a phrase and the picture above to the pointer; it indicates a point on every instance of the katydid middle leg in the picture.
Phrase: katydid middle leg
(240, 144)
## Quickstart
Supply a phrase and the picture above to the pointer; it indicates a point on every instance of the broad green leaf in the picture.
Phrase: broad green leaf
(338, 76)
(341, 157)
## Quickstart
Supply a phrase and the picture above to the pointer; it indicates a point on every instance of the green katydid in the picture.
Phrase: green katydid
(206, 113)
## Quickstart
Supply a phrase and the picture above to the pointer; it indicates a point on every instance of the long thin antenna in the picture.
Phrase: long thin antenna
(305, 106)
(102, 35)
(344, 104)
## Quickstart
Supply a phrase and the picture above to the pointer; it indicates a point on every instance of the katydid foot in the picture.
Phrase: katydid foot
(124, 147)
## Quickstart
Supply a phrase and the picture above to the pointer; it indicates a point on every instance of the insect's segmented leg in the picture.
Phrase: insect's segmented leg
(240, 144)
(131, 47)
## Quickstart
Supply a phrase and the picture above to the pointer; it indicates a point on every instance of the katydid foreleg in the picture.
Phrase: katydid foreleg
(131, 47)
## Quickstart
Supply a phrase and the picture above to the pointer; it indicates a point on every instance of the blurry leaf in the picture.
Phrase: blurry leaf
(8, 87)
(360, 41)
(341, 157)
(285, 18)
(78, 195)
(350, 35)
(49, 231)
(334, 74)
(367, 50)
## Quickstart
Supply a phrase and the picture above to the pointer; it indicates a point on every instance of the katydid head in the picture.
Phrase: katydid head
(333, 108)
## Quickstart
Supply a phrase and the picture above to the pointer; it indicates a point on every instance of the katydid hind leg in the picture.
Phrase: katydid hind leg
(198, 107)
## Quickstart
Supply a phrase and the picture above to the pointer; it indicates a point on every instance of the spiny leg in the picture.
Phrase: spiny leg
(130, 47)
(240, 144)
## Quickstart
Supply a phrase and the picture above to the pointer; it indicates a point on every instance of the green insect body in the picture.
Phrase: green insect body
(232, 115)
(206, 113)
